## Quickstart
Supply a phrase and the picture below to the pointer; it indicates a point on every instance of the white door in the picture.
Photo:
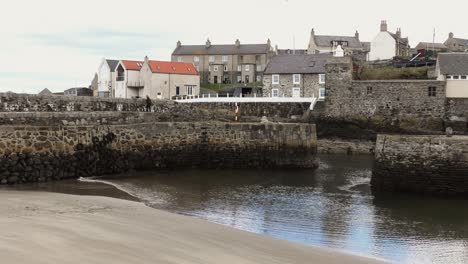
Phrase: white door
(296, 92)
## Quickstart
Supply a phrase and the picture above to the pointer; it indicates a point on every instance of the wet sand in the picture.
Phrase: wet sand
(39, 227)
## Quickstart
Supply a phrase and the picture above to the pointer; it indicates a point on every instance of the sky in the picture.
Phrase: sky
(60, 44)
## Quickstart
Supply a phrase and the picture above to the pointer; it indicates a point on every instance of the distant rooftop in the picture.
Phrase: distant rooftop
(453, 63)
(297, 64)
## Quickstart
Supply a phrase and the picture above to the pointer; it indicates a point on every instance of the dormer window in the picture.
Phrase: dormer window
(173, 68)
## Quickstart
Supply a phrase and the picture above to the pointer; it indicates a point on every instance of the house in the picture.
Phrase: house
(165, 79)
(387, 45)
(45, 92)
(456, 44)
(296, 76)
(127, 79)
(453, 68)
(106, 78)
(428, 46)
(328, 44)
(231, 63)
(78, 91)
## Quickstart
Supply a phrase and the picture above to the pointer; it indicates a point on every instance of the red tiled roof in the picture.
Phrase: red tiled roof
(172, 67)
(132, 65)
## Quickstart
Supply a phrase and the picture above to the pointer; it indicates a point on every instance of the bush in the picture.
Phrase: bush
(391, 73)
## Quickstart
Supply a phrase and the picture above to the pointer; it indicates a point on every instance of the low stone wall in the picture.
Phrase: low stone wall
(42, 153)
(433, 165)
(341, 146)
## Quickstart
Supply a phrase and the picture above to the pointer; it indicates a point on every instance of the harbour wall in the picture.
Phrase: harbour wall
(431, 165)
(35, 153)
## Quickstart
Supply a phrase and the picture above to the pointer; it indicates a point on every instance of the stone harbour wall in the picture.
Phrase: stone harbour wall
(43, 153)
(432, 165)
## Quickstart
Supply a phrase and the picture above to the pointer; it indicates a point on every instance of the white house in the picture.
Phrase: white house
(387, 45)
(127, 79)
(453, 68)
(106, 78)
(165, 79)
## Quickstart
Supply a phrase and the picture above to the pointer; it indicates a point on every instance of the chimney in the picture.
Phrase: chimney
(269, 43)
(383, 26)
(208, 43)
(356, 34)
(451, 35)
(146, 59)
(276, 49)
(398, 32)
(312, 32)
(237, 43)
(179, 43)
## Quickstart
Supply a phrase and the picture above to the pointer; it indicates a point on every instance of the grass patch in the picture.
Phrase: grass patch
(391, 73)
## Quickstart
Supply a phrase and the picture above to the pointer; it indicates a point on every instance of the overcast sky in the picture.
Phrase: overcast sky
(59, 44)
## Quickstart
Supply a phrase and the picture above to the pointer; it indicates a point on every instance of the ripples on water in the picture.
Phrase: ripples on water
(330, 207)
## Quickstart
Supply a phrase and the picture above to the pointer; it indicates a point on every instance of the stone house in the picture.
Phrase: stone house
(300, 75)
(127, 79)
(164, 79)
(231, 63)
(106, 78)
(453, 68)
(387, 45)
(456, 44)
(428, 46)
(78, 91)
(328, 44)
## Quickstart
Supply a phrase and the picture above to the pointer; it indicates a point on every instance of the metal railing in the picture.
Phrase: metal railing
(243, 99)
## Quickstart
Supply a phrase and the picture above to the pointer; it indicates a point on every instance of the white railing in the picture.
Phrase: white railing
(242, 99)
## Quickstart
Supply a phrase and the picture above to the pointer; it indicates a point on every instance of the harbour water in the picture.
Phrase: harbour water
(330, 207)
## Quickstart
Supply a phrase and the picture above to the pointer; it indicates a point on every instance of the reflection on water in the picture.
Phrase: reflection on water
(331, 207)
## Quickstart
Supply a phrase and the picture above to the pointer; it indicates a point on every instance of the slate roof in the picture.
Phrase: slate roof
(325, 41)
(221, 49)
(303, 64)
(461, 41)
(112, 64)
(291, 51)
(45, 92)
(430, 45)
(453, 63)
(402, 40)
(172, 67)
(366, 46)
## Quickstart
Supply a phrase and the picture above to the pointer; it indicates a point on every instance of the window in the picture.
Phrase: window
(321, 93)
(259, 68)
(215, 68)
(274, 93)
(432, 91)
(239, 68)
(189, 89)
(455, 77)
(239, 79)
(449, 77)
(259, 78)
(296, 79)
(196, 59)
(179, 59)
(321, 78)
(211, 59)
(225, 58)
(225, 68)
(247, 67)
(209, 68)
(296, 92)
(463, 77)
(275, 79)
(369, 90)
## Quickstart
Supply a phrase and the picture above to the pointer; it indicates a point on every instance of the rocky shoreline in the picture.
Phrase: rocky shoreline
(345, 146)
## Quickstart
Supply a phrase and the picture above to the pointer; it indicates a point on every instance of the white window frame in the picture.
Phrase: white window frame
(322, 78)
(189, 89)
(196, 59)
(259, 68)
(225, 68)
(298, 89)
(274, 92)
(215, 68)
(239, 68)
(209, 68)
(298, 77)
(247, 68)
(211, 59)
(273, 81)
(179, 59)
(224, 58)
(259, 78)
(321, 94)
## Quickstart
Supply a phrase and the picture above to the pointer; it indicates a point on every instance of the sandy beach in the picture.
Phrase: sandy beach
(40, 227)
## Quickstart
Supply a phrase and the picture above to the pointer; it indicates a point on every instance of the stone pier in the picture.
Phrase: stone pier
(432, 165)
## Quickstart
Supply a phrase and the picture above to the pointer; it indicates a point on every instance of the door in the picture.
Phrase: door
(296, 92)
(247, 79)
(177, 91)
(216, 79)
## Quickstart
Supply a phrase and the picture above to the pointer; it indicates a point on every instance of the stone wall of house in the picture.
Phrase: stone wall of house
(457, 115)
(433, 165)
(42, 153)
(309, 85)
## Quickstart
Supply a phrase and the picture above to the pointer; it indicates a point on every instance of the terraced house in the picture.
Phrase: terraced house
(231, 63)
(328, 44)
(300, 75)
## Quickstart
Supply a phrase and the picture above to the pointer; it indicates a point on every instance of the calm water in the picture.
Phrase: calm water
(329, 207)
